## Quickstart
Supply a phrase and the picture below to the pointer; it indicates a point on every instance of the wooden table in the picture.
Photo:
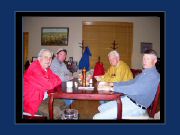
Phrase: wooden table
(61, 92)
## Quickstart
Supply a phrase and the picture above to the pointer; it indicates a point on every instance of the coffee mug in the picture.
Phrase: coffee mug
(69, 89)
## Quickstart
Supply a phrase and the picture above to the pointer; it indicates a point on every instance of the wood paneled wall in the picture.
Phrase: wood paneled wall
(99, 36)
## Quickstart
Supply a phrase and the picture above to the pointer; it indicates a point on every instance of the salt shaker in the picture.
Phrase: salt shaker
(90, 82)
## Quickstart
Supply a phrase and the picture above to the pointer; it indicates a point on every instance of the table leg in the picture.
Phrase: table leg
(51, 100)
(119, 108)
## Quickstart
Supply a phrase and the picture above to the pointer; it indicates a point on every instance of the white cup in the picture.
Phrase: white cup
(69, 84)
(69, 89)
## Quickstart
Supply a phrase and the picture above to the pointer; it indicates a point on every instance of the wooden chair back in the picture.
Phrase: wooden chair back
(153, 108)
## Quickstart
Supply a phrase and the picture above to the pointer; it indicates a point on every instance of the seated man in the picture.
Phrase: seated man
(119, 70)
(139, 93)
(59, 68)
(38, 79)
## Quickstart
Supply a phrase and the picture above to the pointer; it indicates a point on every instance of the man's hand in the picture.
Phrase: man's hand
(105, 86)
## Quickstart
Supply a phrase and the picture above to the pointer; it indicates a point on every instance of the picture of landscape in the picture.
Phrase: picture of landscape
(54, 36)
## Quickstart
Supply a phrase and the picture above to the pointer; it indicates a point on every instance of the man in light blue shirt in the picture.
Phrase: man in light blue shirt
(59, 68)
(139, 93)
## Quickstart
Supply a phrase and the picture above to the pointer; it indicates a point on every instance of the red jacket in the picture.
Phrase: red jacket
(36, 82)
(99, 69)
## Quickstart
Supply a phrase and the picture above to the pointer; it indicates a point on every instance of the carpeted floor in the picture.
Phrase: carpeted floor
(87, 109)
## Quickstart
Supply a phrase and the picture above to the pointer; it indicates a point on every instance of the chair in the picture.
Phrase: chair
(153, 108)
(151, 111)
(34, 117)
(71, 65)
(28, 116)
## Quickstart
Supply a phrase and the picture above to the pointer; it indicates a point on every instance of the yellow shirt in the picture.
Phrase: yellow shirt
(118, 73)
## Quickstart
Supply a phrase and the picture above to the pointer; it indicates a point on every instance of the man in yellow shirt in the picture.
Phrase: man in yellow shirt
(119, 71)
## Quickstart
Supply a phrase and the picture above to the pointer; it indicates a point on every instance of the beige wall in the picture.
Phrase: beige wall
(146, 29)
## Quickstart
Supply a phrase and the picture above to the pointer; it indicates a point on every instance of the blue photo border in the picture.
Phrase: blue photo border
(8, 68)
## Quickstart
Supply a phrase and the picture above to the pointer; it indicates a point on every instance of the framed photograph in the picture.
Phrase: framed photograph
(145, 46)
(71, 59)
(54, 36)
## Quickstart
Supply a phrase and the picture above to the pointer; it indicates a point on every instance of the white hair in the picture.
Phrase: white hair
(42, 51)
(114, 54)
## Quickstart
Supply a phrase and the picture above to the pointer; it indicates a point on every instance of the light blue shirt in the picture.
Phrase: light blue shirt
(142, 89)
(60, 69)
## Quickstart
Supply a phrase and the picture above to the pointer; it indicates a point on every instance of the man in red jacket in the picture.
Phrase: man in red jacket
(38, 79)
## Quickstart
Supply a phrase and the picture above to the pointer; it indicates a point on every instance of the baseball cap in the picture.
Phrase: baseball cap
(61, 49)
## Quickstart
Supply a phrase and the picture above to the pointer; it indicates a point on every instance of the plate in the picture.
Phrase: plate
(85, 88)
